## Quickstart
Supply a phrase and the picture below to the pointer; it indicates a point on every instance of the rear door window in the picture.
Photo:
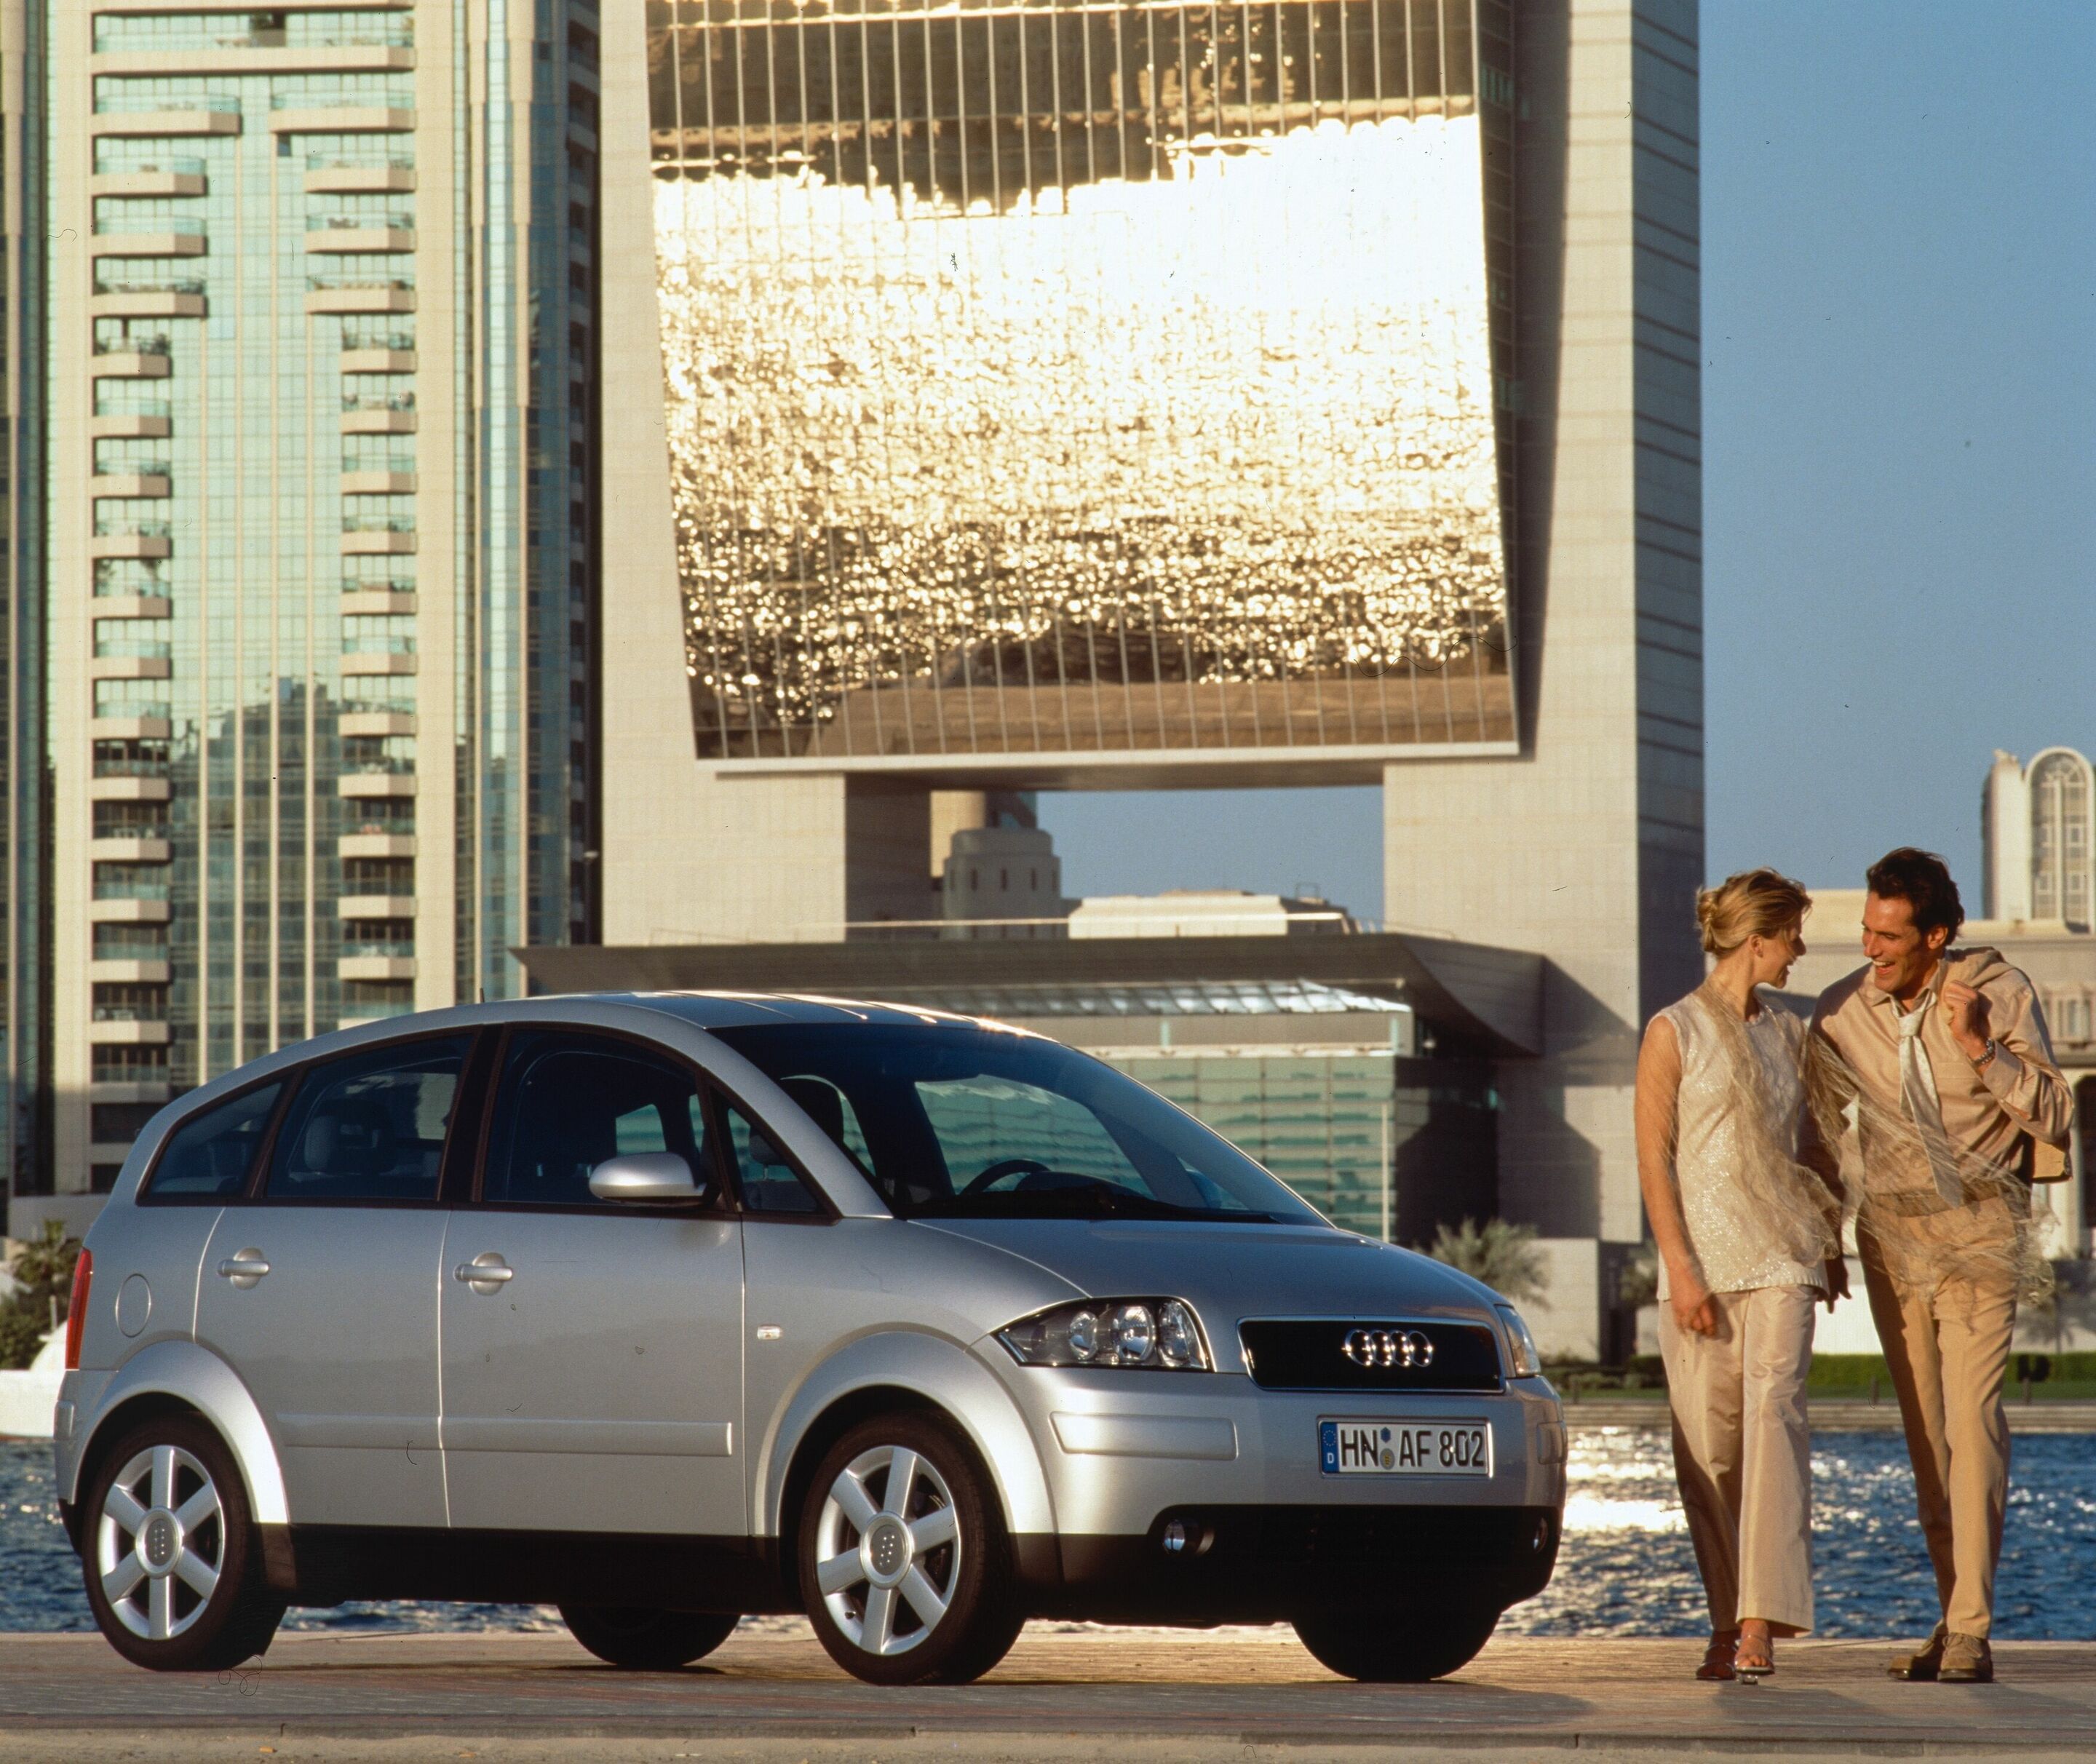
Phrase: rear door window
(212, 1155)
(371, 1127)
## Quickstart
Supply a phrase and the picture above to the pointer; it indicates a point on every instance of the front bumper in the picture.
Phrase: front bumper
(1265, 1564)
(1263, 1533)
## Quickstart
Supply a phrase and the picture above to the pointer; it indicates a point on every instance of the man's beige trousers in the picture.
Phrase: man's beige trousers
(1946, 1345)
(1743, 1452)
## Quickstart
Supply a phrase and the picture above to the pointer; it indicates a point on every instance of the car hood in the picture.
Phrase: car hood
(1229, 1272)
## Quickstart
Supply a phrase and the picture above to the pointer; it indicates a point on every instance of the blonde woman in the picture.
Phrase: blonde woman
(1748, 1241)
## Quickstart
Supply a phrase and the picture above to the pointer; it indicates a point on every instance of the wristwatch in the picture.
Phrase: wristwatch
(1987, 1055)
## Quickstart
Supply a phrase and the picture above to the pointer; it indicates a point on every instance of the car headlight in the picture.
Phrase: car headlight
(1524, 1362)
(1160, 1335)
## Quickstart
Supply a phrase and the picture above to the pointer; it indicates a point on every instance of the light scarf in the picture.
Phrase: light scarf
(1924, 1108)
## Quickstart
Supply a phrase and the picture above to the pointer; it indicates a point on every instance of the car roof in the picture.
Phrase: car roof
(740, 1009)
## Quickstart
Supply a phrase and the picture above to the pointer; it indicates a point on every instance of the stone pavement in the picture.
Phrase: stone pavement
(1063, 1693)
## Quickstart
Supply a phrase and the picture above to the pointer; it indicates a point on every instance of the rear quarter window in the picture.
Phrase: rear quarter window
(211, 1155)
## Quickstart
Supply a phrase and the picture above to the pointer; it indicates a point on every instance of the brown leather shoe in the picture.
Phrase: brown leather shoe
(1966, 1660)
(1716, 1667)
(1921, 1668)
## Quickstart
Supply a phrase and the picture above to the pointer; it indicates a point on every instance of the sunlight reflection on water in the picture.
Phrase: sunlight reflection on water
(1625, 1569)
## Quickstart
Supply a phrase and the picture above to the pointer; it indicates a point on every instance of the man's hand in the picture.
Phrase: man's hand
(1837, 1280)
(1694, 1310)
(1965, 1012)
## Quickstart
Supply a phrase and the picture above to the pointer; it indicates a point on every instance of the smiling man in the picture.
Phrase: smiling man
(1959, 1106)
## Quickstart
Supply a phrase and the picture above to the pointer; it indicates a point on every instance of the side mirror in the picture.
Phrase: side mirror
(644, 1175)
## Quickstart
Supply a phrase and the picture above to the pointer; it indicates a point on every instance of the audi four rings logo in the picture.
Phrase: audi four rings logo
(1388, 1347)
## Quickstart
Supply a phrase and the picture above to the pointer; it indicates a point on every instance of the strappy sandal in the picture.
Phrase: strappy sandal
(1755, 1667)
(1716, 1667)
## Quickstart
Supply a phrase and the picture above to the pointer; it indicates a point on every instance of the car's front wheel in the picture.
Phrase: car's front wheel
(904, 1559)
(642, 1638)
(1396, 1650)
(173, 1566)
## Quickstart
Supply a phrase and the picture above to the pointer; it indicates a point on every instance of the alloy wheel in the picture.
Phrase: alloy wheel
(888, 1550)
(160, 1544)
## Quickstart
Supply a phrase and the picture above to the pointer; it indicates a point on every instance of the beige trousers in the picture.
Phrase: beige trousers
(1743, 1452)
(1946, 1345)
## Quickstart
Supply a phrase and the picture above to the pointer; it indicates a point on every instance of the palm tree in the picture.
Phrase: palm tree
(1503, 1256)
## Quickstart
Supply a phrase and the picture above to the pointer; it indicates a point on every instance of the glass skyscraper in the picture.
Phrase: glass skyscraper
(321, 558)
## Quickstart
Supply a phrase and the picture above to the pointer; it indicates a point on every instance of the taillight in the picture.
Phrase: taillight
(83, 1279)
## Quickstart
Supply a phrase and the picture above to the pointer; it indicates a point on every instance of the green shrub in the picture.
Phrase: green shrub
(43, 1276)
(20, 1336)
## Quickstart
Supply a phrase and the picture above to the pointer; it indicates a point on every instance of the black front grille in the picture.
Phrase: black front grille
(1287, 1354)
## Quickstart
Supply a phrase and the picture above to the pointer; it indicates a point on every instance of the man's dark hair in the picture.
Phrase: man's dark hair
(1922, 880)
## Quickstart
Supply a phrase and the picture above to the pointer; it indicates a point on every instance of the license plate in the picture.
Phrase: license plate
(1405, 1448)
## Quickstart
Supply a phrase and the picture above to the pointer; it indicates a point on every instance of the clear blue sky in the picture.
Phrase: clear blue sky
(1899, 316)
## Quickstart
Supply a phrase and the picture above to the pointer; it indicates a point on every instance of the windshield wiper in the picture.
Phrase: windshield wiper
(1103, 1200)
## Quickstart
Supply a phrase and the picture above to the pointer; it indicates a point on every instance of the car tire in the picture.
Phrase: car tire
(171, 1556)
(1381, 1650)
(908, 1585)
(639, 1639)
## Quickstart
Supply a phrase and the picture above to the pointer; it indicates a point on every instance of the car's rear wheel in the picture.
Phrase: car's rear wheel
(641, 1639)
(172, 1559)
(905, 1561)
(1378, 1649)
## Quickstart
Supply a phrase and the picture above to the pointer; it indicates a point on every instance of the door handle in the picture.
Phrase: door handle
(243, 1269)
(485, 1272)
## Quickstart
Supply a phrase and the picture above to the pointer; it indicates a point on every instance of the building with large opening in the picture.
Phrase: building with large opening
(1037, 397)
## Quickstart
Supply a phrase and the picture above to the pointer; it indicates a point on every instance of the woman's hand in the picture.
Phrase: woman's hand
(1695, 1309)
(1837, 1280)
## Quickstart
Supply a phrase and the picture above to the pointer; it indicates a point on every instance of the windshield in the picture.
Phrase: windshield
(979, 1123)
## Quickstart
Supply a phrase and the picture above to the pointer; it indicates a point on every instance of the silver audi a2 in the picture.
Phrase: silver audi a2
(666, 1309)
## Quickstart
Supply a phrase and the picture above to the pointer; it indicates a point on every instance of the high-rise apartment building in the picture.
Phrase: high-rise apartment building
(318, 434)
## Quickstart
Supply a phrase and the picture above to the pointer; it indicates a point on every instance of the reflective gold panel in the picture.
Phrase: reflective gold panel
(1079, 379)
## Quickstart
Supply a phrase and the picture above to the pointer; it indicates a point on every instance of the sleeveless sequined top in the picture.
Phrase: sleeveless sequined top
(1730, 1245)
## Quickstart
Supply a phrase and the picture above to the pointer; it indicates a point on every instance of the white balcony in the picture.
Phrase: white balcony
(129, 912)
(126, 426)
(128, 790)
(377, 361)
(346, 57)
(128, 667)
(343, 119)
(379, 545)
(324, 300)
(148, 245)
(130, 545)
(377, 665)
(376, 845)
(367, 784)
(376, 601)
(155, 304)
(371, 723)
(379, 422)
(375, 906)
(131, 606)
(130, 728)
(146, 184)
(345, 241)
(157, 123)
(132, 1034)
(129, 364)
(129, 971)
(374, 967)
(130, 850)
(377, 483)
(348, 179)
(129, 484)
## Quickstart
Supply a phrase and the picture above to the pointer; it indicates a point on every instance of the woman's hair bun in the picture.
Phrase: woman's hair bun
(1755, 903)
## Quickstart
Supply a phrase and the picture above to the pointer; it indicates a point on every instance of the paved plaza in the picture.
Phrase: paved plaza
(1061, 1694)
